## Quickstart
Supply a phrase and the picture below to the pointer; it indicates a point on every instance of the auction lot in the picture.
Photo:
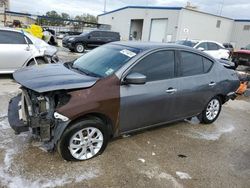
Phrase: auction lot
(182, 154)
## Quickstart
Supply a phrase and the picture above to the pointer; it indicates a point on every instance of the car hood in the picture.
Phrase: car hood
(51, 77)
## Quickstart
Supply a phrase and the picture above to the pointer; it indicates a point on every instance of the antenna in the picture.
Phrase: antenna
(222, 5)
(105, 5)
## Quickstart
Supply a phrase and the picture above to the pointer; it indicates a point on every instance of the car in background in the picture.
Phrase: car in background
(18, 49)
(49, 36)
(89, 40)
(62, 34)
(115, 89)
(212, 48)
(242, 56)
(229, 47)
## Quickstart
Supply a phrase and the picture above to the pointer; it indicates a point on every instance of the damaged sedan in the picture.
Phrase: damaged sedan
(118, 88)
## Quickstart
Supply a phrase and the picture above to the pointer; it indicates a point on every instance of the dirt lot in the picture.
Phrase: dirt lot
(183, 154)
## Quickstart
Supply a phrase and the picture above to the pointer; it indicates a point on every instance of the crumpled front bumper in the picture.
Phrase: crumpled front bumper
(14, 116)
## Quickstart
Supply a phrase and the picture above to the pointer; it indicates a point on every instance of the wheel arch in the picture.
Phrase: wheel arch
(31, 59)
(96, 115)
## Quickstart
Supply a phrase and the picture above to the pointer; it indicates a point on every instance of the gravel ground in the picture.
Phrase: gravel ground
(182, 154)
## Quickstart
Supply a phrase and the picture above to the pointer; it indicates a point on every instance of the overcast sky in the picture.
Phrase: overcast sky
(230, 8)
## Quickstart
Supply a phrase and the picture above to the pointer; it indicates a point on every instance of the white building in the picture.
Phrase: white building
(167, 24)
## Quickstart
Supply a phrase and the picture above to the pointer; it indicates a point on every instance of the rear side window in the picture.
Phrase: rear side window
(191, 64)
(212, 46)
(157, 66)
(207, 64)
(10, 37)
(194, 64)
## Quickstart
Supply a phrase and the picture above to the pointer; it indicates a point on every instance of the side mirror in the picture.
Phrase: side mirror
(135, 78)
(201, 49)
(89, 37)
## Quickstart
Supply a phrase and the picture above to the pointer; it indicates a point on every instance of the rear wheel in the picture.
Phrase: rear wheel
(83, 140)
(79, 48)
(39, 62)
(211, 111)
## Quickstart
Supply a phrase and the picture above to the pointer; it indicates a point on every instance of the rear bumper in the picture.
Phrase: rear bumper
(14, 116)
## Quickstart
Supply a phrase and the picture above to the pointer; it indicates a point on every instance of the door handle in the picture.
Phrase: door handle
(171, 90)
(212, 84)
(27, 48)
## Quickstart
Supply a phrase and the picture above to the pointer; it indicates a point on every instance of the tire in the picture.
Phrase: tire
(72, 148)
(211, 111)
(79, 48)
(39, 62)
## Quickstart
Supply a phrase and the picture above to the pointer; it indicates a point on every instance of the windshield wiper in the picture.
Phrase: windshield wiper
(86, 72)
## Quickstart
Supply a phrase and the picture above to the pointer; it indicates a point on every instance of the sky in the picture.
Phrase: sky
(236, 9)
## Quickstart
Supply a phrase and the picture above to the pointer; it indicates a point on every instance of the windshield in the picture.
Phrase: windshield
(186, 43)
(105, 60)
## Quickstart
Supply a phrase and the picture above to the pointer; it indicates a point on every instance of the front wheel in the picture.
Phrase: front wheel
(79, 48)
(211, 111)
(83, 140)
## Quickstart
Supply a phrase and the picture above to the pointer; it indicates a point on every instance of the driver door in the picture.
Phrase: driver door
(154, 101)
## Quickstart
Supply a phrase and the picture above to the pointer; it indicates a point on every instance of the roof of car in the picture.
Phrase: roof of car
(150, 45)
(9, 29)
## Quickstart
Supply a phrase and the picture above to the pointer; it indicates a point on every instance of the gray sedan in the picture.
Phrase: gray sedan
(115, 89)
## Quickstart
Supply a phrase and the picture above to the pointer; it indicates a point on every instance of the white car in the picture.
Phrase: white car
(18, 49)
(215, 49)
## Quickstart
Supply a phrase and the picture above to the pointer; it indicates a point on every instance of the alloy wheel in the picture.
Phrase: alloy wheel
(86, 143)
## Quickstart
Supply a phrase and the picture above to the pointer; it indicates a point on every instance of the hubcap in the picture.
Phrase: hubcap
(80, 48)
(213, 109)
(86, 143)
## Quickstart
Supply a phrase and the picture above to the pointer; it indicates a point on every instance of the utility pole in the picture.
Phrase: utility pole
(105, 6)
(222, 5)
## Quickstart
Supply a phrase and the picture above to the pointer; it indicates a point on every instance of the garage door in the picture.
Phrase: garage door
(158, 30)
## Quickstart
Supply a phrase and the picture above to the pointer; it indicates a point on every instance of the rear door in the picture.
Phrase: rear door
(155, 101)
(196, 83)
(14, 51)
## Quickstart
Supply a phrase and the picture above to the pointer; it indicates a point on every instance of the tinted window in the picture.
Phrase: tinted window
(95, 34)
(202, 45)
(186, 43)
(10, 37)
(157, 66)
(207, 64)
(192, 64)
(212, 46)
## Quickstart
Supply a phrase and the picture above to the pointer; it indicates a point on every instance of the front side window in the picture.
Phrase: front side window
(105, 60)
(95, 34)
(202, 45)
(10, 37)
(157, 66)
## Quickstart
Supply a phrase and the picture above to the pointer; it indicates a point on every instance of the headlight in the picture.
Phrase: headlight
(71, 39)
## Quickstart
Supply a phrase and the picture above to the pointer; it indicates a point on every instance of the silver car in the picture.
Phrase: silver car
(18, 49)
